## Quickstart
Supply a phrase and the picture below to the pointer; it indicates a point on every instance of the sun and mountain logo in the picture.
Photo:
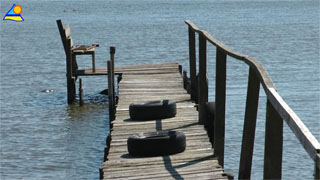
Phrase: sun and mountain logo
(14, 14)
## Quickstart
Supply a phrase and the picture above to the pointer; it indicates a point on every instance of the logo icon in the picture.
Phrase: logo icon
(14, 14)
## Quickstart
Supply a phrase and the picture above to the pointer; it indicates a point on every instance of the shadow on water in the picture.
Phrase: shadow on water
(87, 129)
(93, 105)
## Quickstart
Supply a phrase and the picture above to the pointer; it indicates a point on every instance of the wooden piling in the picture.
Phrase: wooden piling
(110, 91)
(71, 84)
(112, 54)
(80, 92)
(93, 62)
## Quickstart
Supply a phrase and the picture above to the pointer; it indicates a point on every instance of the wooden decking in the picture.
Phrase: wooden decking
(155, 82)
(136, 69)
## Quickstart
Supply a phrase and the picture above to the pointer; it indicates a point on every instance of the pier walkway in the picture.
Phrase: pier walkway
(202, 122)
(156, 82)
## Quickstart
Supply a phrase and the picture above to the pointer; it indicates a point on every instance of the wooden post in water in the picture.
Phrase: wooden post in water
(273, 144)
(203, 89)
(249, 128)
(71, 86)
(110, 91)
(219, 123)
(192, 64)
(80, 92)
(112, 52)
(93, 62)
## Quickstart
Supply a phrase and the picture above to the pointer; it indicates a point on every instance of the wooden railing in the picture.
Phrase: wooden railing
(277, 108)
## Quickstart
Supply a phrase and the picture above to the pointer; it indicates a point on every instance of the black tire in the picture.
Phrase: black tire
(153, 110)
(158, 143)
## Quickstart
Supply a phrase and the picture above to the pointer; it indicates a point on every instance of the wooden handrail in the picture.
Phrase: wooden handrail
(281, 108)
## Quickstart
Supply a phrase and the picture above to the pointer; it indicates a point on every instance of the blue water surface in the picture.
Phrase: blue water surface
(44, 138)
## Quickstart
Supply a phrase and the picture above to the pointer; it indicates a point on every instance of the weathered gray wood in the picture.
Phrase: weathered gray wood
(192, 63)
(203, 89)
(139, 88)
(155, 70)
(192, 26)
(71, 85)
(317, 167)
(62, 33)
(273, 144)
(67, 31)
(112, 52)
(219, 123)
(308, 141)
(80, 92)
(249, 125)
(110, 92)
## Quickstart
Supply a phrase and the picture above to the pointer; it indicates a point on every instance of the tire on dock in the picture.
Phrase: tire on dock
(153, 110)
(156, 143)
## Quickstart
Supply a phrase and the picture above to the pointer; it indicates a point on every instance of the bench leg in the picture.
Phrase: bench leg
(93, 63)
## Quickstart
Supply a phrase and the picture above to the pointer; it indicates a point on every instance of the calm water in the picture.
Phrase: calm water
(44, 138)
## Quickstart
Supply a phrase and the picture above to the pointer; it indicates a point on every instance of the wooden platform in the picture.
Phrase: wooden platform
(155, 82)
(135, 69)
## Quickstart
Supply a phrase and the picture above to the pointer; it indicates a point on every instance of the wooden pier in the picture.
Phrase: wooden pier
(163, 82)
(202, 122)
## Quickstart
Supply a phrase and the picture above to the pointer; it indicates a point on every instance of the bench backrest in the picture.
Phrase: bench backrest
(65, 33)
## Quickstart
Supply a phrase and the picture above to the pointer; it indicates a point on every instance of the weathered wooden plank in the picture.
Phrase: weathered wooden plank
(71, 84)
(111, 92)
(164, 173)
(199, 163)
(128, 160)
(220, 99)
(273, 144)
(308, 141)
(197, 175)
(196, 161)
(249, 128)
(203, 88)
(192, 63)
(134, 70)
(303, 134)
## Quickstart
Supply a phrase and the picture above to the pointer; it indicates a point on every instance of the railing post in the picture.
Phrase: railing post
(273, 144)
(220, 99)
(192, 64)
(110, 91)
(249, 128)
(71, 85)
(317, 166)
(203, 89)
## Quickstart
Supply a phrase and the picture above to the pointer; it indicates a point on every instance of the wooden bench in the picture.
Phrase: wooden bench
(75, 50)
